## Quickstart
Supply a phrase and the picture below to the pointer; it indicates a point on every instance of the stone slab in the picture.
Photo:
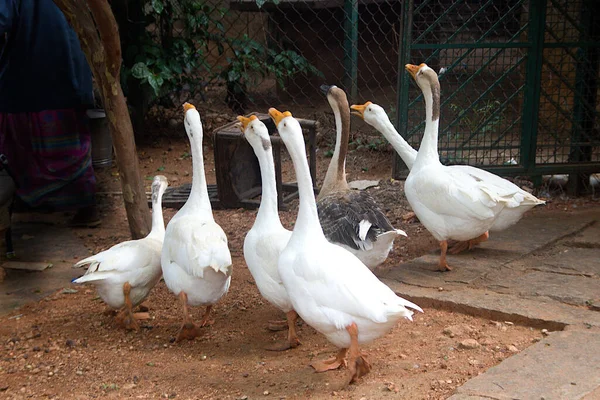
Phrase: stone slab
(29, 266)
(362, 184)
(40, 243)
(539, 312)
(589, 237)
(563, 366)
(585, 261)
(569, 289)
(528, 236)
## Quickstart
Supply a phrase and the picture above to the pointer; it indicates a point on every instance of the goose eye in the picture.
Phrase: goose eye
(370, 109)
(284, 124)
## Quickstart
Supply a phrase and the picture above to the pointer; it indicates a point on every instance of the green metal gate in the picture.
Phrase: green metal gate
(519, 94)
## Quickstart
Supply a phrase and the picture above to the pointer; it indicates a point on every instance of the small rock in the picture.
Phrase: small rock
(129, 386)
(509, 323)
(456, 330)
(70, 343)
(545, 332)
(68, 291)
(469, 344)
(266, 393)
(513, 349)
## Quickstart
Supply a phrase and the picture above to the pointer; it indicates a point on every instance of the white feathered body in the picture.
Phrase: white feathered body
(379, 250)
(331, 289)
(262, 247)
(453, 204)
(519, 201)
(195, 258)
(134, 261)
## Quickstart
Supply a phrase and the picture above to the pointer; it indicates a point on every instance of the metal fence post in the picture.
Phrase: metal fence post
(399, 169)
(351, 48)
(533, 77)
(584, 107)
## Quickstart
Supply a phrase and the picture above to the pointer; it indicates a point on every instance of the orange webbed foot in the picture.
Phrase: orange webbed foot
(284, 345)
(358, 368)
(331, 363)
(188, 331)
(127, 321)
(444, 267)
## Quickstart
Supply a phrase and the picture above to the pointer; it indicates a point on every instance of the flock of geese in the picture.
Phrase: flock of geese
(320, 271)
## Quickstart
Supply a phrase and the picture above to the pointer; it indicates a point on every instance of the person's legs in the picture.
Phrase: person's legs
(50, 152)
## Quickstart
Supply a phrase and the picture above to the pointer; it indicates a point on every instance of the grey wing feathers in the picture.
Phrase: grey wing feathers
(341, 214)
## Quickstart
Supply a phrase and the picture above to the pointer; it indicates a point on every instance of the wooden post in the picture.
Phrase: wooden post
(98, 33)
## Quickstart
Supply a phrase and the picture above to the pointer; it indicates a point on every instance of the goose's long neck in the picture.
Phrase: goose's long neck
(158, 223)
(428, 152)
(199, 193)
(307, 221)
(404, 150)
(268, 203)
(335, 178)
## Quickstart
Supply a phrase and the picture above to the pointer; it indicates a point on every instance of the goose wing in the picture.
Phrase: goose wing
(198, 246)
(352, 218)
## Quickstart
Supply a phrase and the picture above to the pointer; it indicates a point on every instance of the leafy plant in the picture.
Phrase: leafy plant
(166, 46)
(371, 144)
(483, 119)
(251, 60)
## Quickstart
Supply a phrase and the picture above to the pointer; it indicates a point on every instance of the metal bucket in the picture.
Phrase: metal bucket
(102, 146)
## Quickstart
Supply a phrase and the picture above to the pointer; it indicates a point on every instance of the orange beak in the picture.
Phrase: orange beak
(277, 115)
(245, 121)
(188, 106)
(412, 69)
(359, 110)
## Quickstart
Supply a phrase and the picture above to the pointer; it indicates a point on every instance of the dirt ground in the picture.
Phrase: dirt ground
(65, 347)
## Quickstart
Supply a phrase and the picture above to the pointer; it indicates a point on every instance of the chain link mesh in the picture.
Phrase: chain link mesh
(513, 93)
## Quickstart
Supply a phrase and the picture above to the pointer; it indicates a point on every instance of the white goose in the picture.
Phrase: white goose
(452, 203)
(521, 202)
(351, 218)
(196, 262)
(125, 273)
(331, 289)
(267, 238)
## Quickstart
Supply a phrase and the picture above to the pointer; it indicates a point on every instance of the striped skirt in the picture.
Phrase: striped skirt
(49, 155)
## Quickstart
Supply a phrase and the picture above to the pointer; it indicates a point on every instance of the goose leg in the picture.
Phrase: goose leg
(292, 339)
(188, 330)
(469, 244)
(127, 318)
(205, 321)
(277, 325)
(443, 264)
(331, 363)
(357, 364)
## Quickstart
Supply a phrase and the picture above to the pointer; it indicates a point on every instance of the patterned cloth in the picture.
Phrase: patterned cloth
(49, 153)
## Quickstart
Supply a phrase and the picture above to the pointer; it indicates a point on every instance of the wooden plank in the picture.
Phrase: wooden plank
(27, 266)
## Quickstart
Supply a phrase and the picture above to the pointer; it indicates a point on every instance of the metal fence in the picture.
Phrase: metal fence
(519, 92)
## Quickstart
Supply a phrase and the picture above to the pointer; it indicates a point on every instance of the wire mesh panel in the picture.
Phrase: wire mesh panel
(520, 88)
(264, 52)
(568, 127)
(482, 47)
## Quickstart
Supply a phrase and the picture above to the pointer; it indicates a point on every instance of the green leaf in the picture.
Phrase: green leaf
(161, 168)
(158, 6)
(140, 71)
(155, 82)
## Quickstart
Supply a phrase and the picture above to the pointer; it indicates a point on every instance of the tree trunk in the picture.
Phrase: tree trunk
(98, 33)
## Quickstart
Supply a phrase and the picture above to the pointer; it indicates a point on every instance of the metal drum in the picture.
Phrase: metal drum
(102, 146)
